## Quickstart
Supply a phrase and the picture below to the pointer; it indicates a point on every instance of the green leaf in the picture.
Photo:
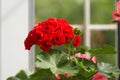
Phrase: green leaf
(77, 31)
(13, 78)
(106, 49)
(57, 63)
(81, 49)
(108, 70)
(42, 74)
(88, 68)
(21, 75)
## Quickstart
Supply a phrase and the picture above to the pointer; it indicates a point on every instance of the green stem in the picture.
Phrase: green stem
(69, 52)
(70, 47)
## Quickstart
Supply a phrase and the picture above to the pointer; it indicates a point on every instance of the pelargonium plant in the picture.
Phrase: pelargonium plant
(61, 55)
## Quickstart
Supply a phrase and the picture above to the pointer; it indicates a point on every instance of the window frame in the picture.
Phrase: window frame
(89, 27)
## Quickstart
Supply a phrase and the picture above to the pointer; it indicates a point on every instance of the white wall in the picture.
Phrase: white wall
(14, 28)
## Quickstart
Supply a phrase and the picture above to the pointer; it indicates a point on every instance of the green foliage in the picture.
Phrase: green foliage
(13, 78)
(81, 49)
(60, 62)
(106, 49)
(108, 70)
(57, 63)
(77, 31)
(22, 75)
(87, 67)
(19, 76)
(42, 74)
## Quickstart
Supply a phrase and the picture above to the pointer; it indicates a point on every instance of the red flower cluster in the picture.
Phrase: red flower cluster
(116, 13)
(51, 32)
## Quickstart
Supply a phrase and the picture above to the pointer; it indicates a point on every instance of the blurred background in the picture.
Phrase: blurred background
(73, 11)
